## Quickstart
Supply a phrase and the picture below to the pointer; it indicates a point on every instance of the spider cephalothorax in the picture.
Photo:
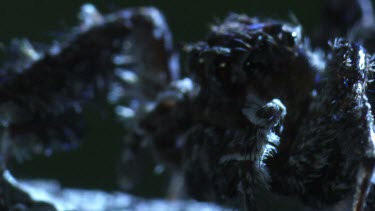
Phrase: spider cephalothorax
(244, 64)
(245, 56)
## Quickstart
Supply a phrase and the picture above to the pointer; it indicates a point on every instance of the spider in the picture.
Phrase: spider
(266, 117)
(258, 115)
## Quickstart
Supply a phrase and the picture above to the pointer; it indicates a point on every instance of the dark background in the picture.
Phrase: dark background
(94, 164)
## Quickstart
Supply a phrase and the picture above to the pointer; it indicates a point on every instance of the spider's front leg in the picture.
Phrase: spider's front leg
(227, 165)
(126, 56)
(333, 155)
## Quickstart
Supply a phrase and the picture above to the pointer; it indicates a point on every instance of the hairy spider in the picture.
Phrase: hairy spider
(268, 118)
(259, 113)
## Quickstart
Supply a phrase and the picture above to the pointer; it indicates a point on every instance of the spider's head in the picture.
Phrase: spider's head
(243, 56)
(243, 50)
(217, 66)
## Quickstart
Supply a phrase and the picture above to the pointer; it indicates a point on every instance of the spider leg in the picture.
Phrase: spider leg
(90, 63)
(266, 121)
(365, 173)
(333, 154)
(370, 202)
(237, 153)
(126, 57)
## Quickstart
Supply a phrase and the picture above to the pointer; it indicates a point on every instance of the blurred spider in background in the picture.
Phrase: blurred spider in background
(258, 114)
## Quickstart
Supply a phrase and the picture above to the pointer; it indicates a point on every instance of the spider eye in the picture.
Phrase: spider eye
(223, 70)
(288, 39)
(253, 64)
(247, 66)
(249, 69)
(196, 63)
